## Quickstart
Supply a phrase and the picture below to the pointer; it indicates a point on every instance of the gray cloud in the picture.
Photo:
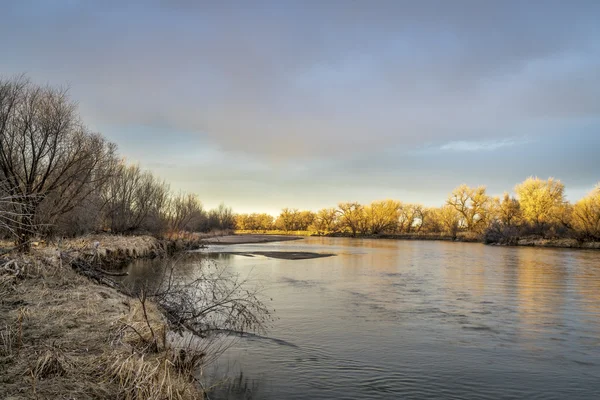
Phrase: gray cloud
(275, 85)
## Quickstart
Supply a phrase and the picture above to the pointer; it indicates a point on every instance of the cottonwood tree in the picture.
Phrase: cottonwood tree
(288, 219)
(352, 217)
(254, 222)
(410, 217)
(382, 216)
(305, 219)
(508, 210)
(542, 202)
(48, 158)
(448, 219)
(586, 215)
(326, 220)
(472, 204)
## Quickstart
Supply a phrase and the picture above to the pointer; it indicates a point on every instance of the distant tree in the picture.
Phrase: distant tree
(352, 217)
(472, 204)
(410, 217)
(184, 211)
(586, 215)
(431, 220)
(304, 220)
(449, 219)
(419, 215)
(325, 221)
(382, 216)
(242, 222)
(508, 210)
(542, 202)
(264, 222)
(223, 217)
(254, 222)
(134, 200)
(288, 219)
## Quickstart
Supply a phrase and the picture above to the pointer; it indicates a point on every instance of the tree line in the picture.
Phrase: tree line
(539, 208)
(59, 178)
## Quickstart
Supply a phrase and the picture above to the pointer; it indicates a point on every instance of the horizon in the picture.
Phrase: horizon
(305, 105)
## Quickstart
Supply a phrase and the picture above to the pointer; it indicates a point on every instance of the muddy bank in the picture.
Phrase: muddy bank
(249, 239)
(554, 243)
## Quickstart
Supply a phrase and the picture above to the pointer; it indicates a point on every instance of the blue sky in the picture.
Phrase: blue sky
(270, 104)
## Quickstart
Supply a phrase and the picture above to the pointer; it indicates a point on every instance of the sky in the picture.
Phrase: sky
(271, 104)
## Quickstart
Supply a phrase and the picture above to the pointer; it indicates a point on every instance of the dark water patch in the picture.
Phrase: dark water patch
(299, 282)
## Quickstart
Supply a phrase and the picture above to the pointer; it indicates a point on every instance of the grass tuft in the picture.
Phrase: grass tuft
(52, 363)
(148, 376)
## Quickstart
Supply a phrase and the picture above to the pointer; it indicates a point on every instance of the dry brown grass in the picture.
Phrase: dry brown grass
(149, 376)
(63, 336)
(8, 341)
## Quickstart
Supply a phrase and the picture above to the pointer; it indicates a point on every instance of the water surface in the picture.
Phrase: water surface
(386, 319)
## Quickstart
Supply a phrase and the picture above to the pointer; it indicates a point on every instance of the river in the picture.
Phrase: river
(388, 319)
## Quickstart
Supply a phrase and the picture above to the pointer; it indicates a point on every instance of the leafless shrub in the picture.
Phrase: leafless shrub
(210, 300)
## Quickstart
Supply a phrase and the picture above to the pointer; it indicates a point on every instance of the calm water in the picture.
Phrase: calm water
(418, 320)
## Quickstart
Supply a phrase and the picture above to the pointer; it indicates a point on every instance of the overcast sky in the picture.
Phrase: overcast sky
(271, 104)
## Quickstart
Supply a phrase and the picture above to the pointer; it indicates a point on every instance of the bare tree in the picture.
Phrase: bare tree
(135, 199)
(182, 211)
(48, 158)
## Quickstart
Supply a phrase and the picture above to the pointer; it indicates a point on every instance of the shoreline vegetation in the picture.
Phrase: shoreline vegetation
(530, 241)
(539, 215)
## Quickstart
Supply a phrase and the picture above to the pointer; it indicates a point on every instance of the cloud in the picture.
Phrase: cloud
(316, 79)
(489, 145)
(340, 99)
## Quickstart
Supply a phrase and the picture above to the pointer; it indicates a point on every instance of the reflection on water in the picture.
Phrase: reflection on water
(420, 320)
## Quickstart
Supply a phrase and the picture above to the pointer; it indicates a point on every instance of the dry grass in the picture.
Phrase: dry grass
(8, 341)
(149, 376)
(62, 336)
(143, 329)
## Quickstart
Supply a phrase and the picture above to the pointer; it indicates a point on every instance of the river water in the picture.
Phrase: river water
(387, 319)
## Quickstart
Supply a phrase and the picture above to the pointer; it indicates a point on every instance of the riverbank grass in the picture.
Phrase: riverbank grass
(63, 336)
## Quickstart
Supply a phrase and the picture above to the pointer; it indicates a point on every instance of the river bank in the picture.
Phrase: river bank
(65, 336)
(465, 237)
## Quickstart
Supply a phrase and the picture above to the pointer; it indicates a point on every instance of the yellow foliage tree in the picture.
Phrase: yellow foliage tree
(508, 210)
(473, 204)
(382, 216)
(352, 216)
(542, 202)
(586, 215)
